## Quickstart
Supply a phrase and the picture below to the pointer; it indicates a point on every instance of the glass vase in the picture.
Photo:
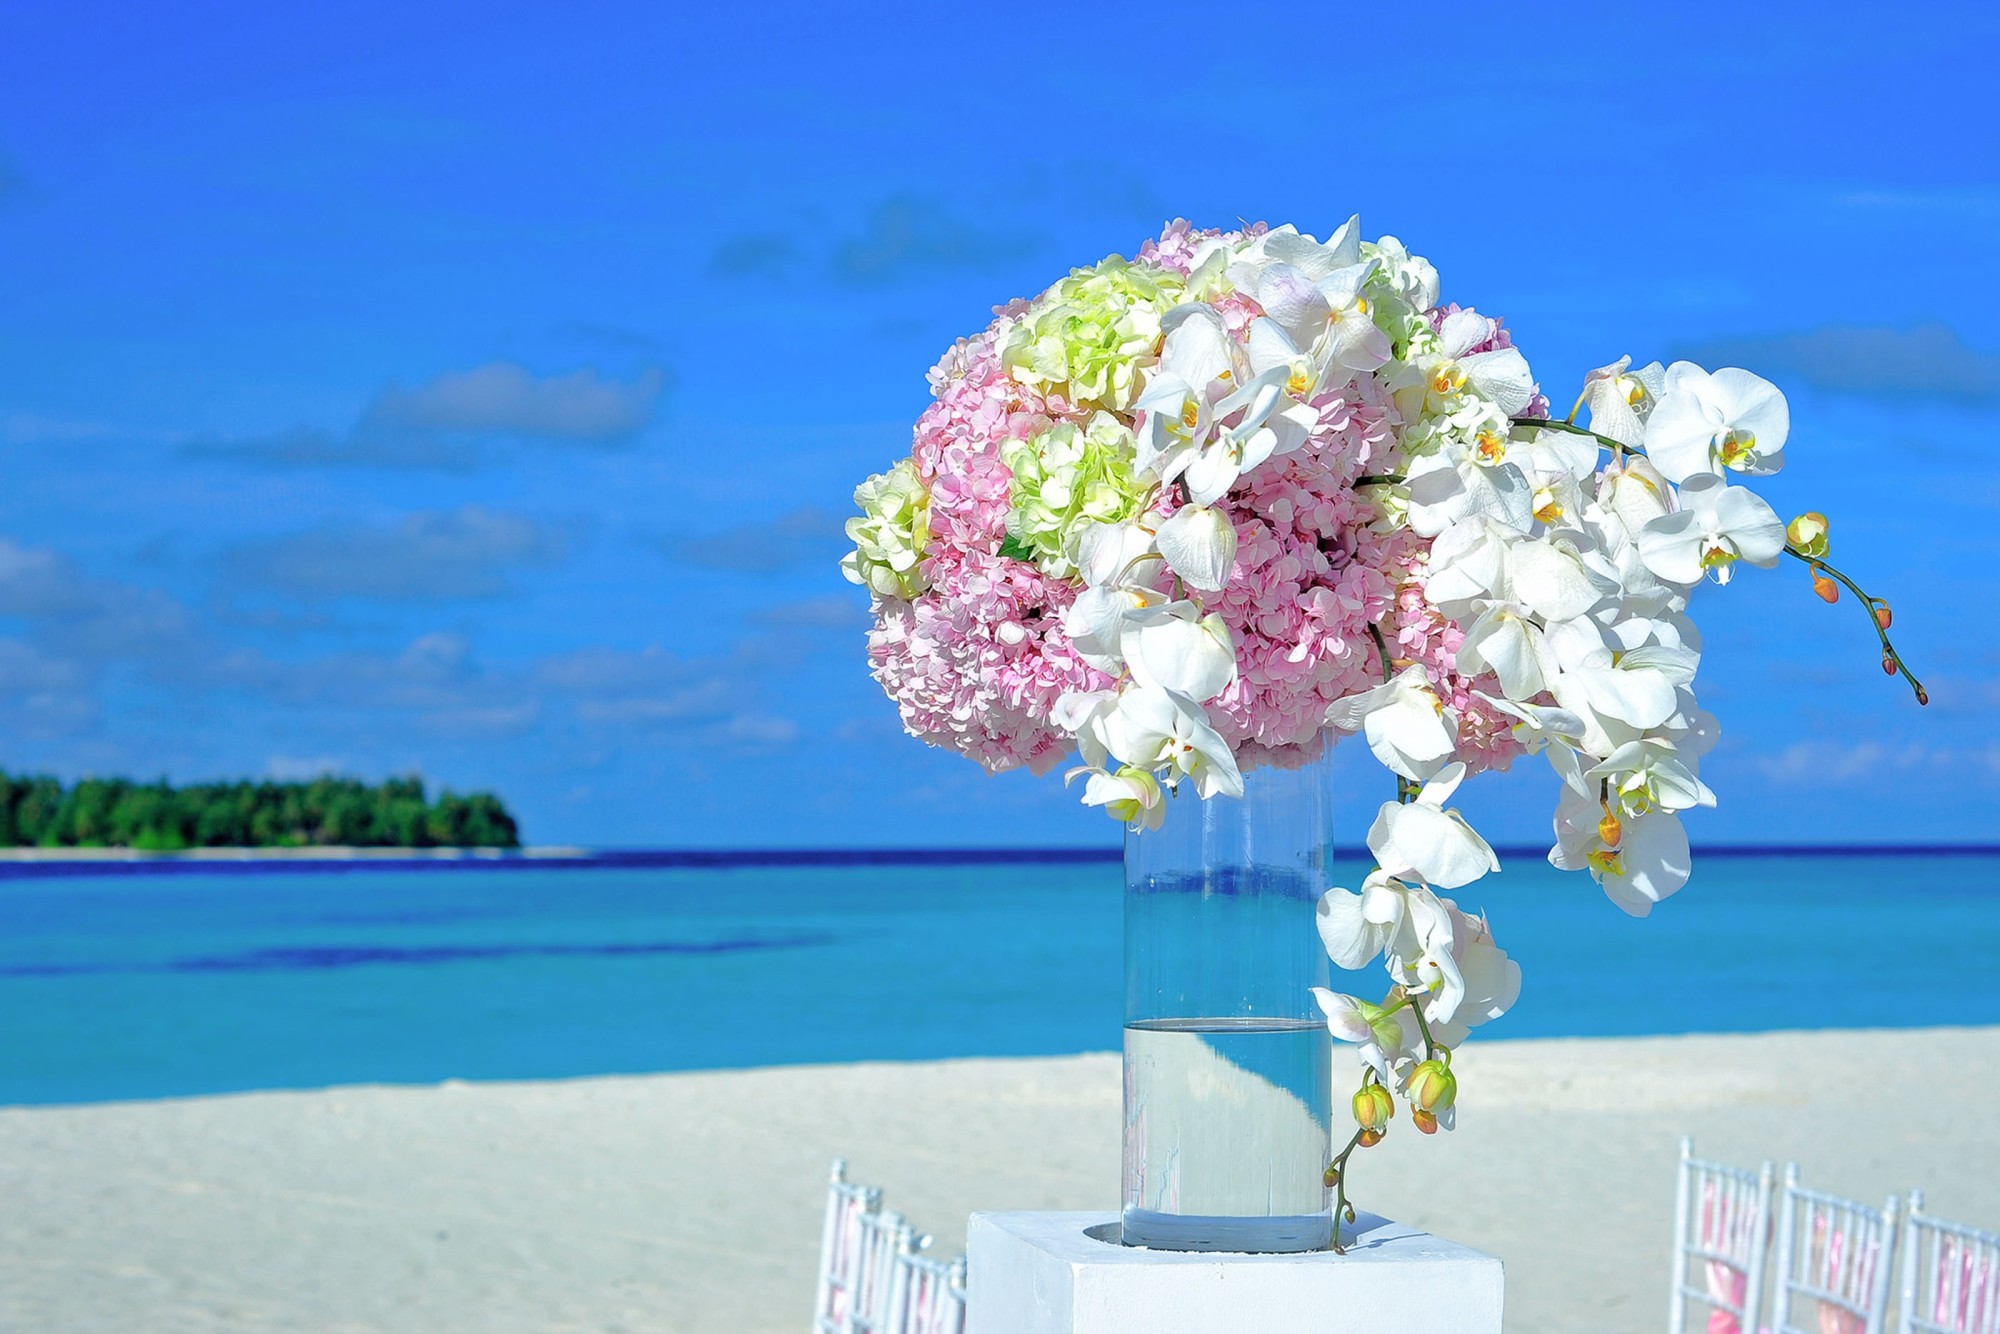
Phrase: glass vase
(1228, 1063)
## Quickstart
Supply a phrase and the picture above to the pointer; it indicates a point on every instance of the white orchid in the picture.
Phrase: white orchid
(1621, 400)
(1561, 575)
(1705, 423)
(1199, 544)
(1406, 724)
(1488, 982)
(1357, 927)
(1154, 726)
(1095, 622)
(1648, 775)
(1385, 1034)
(1425, 839)
(1131, 795)
(1638, 861)
(1255, 421)
(1175, 647)
(1088, 715)
(1112, 554)
(1717, 526)
(1508, 644)
(1445, 491)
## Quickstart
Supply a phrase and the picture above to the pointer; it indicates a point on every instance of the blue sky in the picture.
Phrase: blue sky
(480, 391)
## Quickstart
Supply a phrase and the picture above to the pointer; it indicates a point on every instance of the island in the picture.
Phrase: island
(38, 811)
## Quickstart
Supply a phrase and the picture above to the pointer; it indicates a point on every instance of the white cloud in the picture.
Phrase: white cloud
(470, 552)
(504, 398)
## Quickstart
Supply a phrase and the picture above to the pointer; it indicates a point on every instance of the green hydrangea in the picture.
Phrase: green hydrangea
(1064, 478)
(1088, 337)
(891, 534)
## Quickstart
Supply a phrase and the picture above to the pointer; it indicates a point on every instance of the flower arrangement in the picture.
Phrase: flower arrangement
(1217, 506)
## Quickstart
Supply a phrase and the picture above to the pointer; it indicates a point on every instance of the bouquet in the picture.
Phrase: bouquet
(1219, 506)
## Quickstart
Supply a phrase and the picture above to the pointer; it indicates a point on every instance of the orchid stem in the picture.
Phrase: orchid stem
(1615, 446)
(1423, 1027)
(1868, 604)
(1342, 1210)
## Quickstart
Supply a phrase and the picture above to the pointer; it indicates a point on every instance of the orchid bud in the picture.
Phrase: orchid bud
(1432, 1087)
(1807, 534)
(1331, 1177)
(1373, 1107)
(1368, 1139)
(1425, 1121)
(1828, 590)
(1923, 696)
(1888, 665)
(1609, 831)
(1882, 616)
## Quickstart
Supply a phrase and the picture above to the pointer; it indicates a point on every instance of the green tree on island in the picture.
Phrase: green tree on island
(39, 811)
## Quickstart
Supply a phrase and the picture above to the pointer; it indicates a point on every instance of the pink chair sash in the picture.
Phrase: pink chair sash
(1978, 1288)
(1724, 1281)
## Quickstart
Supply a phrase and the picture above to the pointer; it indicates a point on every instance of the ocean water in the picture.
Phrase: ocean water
(147, 984)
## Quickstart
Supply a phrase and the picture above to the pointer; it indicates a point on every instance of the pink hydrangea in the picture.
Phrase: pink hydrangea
(978, 661)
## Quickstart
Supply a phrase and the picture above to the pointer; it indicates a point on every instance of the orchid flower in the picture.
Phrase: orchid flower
(1357, 927)
(1406, 724)
(1155, 726)
(1638, 861)
(1423, 838)
(1717, 526)
(1620, 401)
(1385, 1035)
(1706, 423)
(1199, 544)
(1173, 646)
(1130, 795)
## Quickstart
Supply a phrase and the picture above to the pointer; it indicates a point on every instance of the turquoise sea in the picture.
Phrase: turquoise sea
(156, 981)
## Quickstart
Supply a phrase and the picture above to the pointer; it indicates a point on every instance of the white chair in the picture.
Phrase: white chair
(840, 1251)
(1835, 1256)
(934, 1296)
(1722, 1221)
(1951, 1276)
(882, 1289)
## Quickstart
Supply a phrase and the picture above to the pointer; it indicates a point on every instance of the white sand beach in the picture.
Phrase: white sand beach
(692, 1202)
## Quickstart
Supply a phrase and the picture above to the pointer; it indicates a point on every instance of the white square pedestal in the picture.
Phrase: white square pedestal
(1050, 1273)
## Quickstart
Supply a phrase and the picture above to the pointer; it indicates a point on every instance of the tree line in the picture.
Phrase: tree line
(40, 812)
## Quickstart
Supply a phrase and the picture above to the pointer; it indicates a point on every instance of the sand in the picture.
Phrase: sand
(692, 1201)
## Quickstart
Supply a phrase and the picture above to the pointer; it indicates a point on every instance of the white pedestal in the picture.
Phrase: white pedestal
(1050, 1273)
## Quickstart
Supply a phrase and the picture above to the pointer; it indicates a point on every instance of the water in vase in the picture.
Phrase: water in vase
(1227, 1124)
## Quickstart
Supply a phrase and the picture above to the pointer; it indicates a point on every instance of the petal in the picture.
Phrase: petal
(1351, 940)
(1345, 1018)
(1200, 545)
(1750, 522)
(1198, 347)
(1551, 582)
(1679, 435)
(1502, 377)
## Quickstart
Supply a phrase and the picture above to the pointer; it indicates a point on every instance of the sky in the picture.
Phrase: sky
(480, 391)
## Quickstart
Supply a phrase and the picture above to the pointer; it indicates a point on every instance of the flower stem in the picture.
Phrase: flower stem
(1868, 604)
(1615, 446)
(1423, 1027)
(1342, 1210)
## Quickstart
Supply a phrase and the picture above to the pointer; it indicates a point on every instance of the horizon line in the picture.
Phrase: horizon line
(66, 862)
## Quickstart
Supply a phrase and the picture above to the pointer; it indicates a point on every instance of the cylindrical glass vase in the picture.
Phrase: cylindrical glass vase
(1228, 1063)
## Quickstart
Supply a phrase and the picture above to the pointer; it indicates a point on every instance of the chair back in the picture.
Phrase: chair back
(1951, 1276)
(1834, 1258)
(840, 1251)
(934, 1296)
(1722, 1220)
(882, 1291)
